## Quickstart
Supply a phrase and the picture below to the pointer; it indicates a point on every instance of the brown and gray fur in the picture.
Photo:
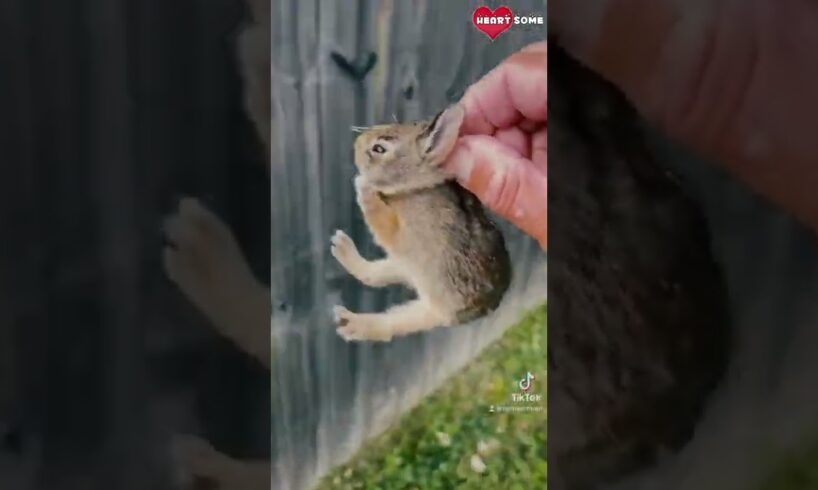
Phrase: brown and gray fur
(638, 311)
(437, 237)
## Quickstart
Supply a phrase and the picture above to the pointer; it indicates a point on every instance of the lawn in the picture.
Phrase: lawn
(795, 470)
(463, 436)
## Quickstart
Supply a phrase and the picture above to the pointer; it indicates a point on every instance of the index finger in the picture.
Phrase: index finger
(515, 90)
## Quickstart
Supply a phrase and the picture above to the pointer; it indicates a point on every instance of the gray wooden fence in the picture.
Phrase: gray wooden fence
(329, 396)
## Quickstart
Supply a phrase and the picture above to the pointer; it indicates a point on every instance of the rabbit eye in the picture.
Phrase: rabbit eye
(378, 149)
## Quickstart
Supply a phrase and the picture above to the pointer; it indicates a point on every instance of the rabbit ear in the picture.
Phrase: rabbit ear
(439, 137)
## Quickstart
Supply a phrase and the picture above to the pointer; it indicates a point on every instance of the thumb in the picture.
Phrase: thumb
(506, 182)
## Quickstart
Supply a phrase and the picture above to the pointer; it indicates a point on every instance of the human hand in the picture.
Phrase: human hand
(501, 153)
(735, 81)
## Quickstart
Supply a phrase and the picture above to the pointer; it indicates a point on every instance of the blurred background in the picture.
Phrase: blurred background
(109, 111)
(759, 430)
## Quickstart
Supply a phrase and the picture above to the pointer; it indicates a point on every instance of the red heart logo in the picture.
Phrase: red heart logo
(492, 23)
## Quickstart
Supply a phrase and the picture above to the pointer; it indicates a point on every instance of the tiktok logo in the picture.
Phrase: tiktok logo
(525, 383)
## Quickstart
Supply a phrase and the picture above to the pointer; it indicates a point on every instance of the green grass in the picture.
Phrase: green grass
(433, 446)
(795, 470)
